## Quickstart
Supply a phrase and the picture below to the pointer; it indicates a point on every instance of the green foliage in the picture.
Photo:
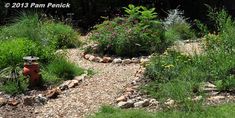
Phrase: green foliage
(63, 35)
(44, 32)
(173, 73)
(177, 27)
(63, 69)
(50, 78)
(137, 34)
(13, 51)
(110, 112)
(225, 26)
(15, 87)
(222, 111)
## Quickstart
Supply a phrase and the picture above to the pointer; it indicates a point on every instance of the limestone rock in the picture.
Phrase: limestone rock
(73, 83)
(13, 102)
(117, 60)
(170, 102)
(126, 105)
(64, 85)
(91, 58)
(143, 103)
(98, 59)
(107, 59)
(52, 93)
(87, 56)
(135, 60)
(3, 101)
(121, 98)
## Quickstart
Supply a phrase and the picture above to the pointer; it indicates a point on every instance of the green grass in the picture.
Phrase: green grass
(43, 31)
(222, 111)
(64, 69)
(13, 51)
(13, 87)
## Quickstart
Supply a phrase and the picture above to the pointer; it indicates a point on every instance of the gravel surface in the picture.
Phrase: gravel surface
(101, 89)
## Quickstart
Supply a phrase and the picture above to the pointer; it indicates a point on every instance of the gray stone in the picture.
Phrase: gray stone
(40, 99)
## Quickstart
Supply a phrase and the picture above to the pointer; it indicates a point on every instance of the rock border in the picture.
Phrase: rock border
(42, 99)
(115, 60)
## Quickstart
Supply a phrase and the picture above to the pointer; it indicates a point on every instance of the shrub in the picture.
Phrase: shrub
(177, 27)
(13, 51)
(13, 87)
(64, 36)
(63, 69)
(173, 73)
(44, 32)
(50, 78)
(138, 33)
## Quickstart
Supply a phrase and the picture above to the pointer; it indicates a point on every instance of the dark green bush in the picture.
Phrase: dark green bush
(138, 33)
(61, 68)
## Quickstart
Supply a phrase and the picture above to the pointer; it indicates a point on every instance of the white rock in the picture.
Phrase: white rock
(127, 104)
(121, 98)
(135, 60)
(143, 103)
(117, 60)
(170, 102)
(91, 58)
(153, 102)
(87, 56)
(209, 85)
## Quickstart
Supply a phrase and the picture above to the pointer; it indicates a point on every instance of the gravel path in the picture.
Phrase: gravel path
(101, 89)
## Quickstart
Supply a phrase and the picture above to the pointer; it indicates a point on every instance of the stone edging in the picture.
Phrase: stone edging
(115, 60)
(41, 99)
